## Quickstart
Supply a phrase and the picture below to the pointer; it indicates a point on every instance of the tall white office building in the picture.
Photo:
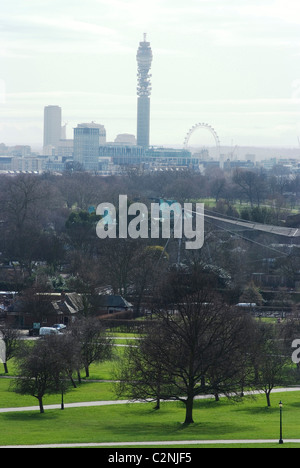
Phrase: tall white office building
(52, 127)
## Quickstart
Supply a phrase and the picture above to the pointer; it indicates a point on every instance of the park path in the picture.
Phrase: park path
(124, 402)
(162, 443)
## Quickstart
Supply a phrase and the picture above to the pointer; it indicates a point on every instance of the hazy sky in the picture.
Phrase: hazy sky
(234, 64)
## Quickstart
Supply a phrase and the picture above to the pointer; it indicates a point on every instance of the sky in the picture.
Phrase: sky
(233, 64)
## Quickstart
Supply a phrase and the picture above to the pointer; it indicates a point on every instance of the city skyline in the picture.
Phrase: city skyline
(234, 65)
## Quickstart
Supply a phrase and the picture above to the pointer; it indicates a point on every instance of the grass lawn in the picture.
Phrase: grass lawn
(101, 371)
(87, 391)
(250, 419)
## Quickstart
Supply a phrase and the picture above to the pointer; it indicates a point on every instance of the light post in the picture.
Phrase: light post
(280, 408)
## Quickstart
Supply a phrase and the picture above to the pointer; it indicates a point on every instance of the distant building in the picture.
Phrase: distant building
(5, 163)
(144, 60)
(20, 151)
(52, 127)
(122, 154)
(56, 307)
(169, 157)
(65, 148)
(101, 128)
(29, 164)
(109, 304)
(87, 139)
(125, 139)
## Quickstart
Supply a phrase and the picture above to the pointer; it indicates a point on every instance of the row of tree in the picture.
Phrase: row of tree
(196, 344)
(48, 365)
(50, 220)
(199, 345)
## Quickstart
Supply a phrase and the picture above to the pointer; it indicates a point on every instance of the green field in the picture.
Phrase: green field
(139, 422)
(248, 419)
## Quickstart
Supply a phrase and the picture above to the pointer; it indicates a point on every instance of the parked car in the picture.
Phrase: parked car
(59, 326)
(247, 304)
(49, 331)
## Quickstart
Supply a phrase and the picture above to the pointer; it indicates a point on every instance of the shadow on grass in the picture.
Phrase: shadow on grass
(126, 423)
(167, 424)
(258, 410)
(30, 416)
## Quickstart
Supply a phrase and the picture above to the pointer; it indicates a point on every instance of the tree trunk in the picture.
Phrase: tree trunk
(202, 383)
(87, 371)
(73, 382)
(268, 398)
(157, 407)
(5, 368)
(189, 411)
(41, 404)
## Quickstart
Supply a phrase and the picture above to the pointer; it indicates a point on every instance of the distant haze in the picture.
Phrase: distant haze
(234, 64)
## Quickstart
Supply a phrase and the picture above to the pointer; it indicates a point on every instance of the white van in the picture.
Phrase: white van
(246, 304)
(49, 331)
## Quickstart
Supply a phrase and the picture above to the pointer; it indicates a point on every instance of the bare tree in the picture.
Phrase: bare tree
(67, 350)
(36, 372)
(252, 185)
(95, 345)
(271, 360)
(118, 258)
(25, 205)
(46, 367)
(141, 373)
(64, 352)
(197, 350)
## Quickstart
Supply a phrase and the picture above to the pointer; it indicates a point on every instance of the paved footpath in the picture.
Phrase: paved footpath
(67, 405)
(163, 443)
(124, 402)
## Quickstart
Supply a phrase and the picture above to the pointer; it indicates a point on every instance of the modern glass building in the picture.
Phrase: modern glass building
(86, 146)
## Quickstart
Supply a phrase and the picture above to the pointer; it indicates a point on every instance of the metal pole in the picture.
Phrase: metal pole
(280, 408)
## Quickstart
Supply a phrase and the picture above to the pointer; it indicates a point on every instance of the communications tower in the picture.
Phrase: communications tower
(144, 60)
